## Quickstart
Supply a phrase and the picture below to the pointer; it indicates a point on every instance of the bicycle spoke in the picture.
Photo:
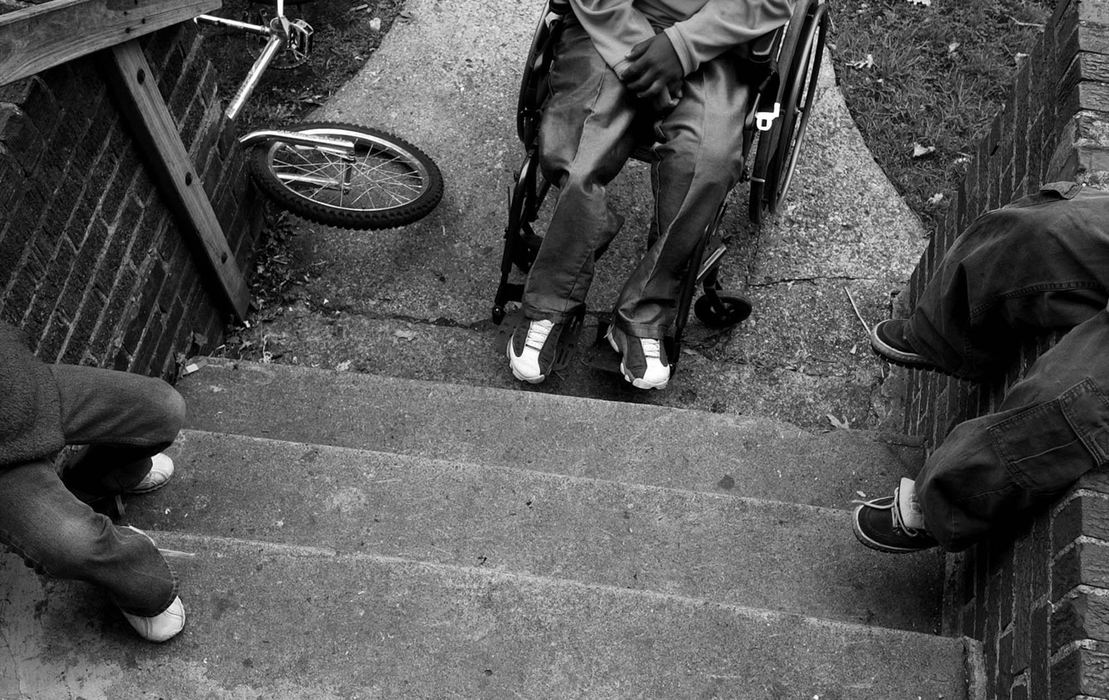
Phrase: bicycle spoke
(377, 179)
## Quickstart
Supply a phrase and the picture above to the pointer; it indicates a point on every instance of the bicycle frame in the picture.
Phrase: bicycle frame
(280, 33)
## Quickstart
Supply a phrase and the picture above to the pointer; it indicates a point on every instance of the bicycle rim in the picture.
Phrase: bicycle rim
(386, 182)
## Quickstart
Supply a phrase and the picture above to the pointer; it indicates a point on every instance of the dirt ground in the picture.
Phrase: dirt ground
(345, 34)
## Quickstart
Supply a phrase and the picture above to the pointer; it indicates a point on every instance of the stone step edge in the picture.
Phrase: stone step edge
(200, 362)
(181, 541)
(534, 473)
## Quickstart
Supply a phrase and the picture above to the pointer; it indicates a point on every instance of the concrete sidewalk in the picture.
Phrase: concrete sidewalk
(416, 301)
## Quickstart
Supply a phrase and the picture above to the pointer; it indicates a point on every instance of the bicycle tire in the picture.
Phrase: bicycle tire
(798, 105)
(390, 182)
(760, 202)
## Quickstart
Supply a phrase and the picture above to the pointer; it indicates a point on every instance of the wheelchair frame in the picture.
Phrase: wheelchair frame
(780, 107)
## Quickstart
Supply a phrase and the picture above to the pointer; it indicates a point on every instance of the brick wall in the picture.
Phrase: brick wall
(1037, 599)
(93, 266)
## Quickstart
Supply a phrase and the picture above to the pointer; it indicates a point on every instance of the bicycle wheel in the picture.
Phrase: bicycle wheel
(386, 182)
(798, 105)
(762, 199)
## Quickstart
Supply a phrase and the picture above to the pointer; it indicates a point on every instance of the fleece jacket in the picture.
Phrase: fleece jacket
(30, 415)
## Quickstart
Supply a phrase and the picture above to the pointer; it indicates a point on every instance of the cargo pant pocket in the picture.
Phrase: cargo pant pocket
(1047, 447)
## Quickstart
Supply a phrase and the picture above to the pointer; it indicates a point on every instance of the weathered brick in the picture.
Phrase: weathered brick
(1082, 672)
(1040, 557)
(50, 346)
(1004, 664)
(144, 360)
(1079, 616)
(1040, 653)
(1086, 563)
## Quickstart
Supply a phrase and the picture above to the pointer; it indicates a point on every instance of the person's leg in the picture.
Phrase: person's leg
(1051, 428)
(61, 536)
(122, 418)
(585, 138)
(1014, 272)
(700, 160)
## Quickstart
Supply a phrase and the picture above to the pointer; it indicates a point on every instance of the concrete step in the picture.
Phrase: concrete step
(669, 447)
(739, 551)
(285, 621)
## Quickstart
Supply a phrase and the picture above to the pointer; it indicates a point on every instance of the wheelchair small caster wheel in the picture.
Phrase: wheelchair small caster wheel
(722, 310)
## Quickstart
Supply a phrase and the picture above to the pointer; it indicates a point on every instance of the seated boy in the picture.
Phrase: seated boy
(125, 421)
(1038, 265)
(620, 64)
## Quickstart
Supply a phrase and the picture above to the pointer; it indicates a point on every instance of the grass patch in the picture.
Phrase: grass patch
(924, 80)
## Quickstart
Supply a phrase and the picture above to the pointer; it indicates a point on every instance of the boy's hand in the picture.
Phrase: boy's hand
(654, 72)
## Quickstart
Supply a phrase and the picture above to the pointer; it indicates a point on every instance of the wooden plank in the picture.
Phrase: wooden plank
(36, 38)
(140, 102)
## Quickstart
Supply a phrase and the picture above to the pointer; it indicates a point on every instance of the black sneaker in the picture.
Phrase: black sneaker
(531, 350)
(642, 360)
(893, 524)
(888, 340)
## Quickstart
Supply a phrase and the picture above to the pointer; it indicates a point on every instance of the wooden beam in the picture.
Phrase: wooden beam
(40, 37)
(140, 103)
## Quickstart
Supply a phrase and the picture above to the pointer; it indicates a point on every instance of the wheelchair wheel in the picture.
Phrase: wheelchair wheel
(798, 105)
(799, 60)
(387, 182)
(721, 310)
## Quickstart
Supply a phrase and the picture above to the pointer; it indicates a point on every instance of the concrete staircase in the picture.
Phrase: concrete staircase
(347, 535)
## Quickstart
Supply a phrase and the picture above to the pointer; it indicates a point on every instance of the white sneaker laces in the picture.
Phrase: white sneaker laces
(899, 523)
(651, 348)
(537, 334)
(906, 490)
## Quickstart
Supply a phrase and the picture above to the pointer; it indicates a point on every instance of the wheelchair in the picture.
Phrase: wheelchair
(781, 69)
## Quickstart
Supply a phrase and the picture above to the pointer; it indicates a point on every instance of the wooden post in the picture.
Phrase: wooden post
(140, 103)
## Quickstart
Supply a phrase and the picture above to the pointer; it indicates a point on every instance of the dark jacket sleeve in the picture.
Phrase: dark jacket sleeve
(30, 422)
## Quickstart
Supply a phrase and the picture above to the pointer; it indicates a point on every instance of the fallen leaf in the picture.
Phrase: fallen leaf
(343, 366)
(837, 423)
(935, 199)
(867, 62)
(404, 335)
(920, 151)
(953, 47)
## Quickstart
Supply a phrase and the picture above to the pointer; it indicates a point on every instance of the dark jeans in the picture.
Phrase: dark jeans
(1040, 265)
(591, 124)
(122, 419)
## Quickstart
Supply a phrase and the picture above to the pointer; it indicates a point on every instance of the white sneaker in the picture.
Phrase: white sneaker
(530, 355)
(909, 512)
(161, 471)
(166, 624)
(163, 626)
(643, 361)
